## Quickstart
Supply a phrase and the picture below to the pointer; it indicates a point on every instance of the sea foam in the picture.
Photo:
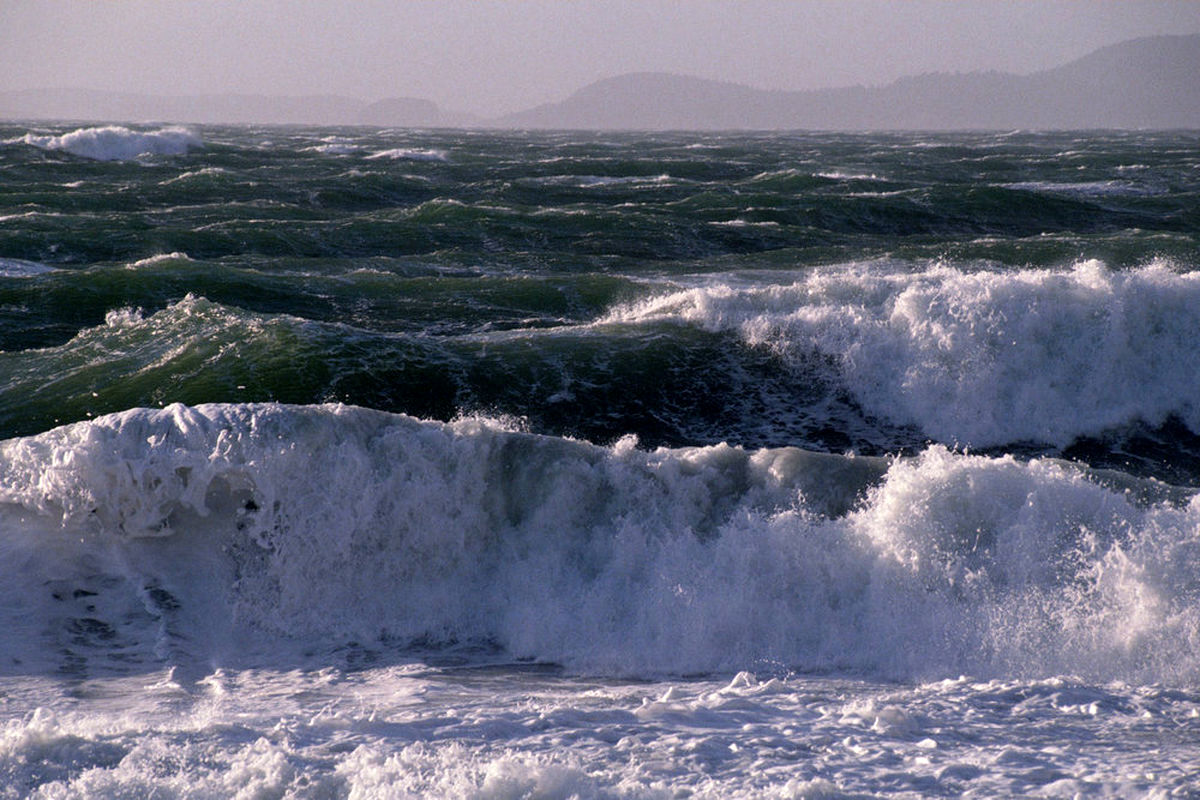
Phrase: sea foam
(222, 531)
(978, 358)
(117, 143)
(411, 154)
(19, 268)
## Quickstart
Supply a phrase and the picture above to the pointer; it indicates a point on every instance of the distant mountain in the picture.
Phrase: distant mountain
(82, 104)
(1141, 83)
(1152, 82)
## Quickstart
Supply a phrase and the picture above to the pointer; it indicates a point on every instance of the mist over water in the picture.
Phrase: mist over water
(346, 462)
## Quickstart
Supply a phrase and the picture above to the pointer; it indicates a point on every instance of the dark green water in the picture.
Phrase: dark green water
(1024, 292)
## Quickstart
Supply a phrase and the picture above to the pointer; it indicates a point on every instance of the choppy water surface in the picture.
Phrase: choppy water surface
(370, 463)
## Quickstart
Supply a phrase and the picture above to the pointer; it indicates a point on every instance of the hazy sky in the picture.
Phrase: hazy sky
(493, 57)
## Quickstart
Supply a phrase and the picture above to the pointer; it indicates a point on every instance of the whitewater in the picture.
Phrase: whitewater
(356, 463)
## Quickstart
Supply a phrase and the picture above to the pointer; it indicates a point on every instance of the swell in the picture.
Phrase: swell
(46, 308)
(241, 534)
(284, 193)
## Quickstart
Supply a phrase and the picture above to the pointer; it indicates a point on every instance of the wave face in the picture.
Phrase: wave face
(240, 532)
(980, 358)
(117, 143)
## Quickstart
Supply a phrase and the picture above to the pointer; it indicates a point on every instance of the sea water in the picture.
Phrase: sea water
(349, 463)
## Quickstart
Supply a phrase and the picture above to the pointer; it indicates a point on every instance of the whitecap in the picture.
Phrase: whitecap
(979, 358)
(195, 173)
(608, 180)
(410, 154)
(117, 143)
(335, 149)
(19, 268)
(838, 175)
(738, 222)
(1110, 188)
(21, 215)
(160, 258)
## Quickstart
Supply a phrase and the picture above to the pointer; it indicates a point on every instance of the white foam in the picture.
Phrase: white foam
(738, 222)
(790, 172)
(411, 154)
(196, 173)
(20, 215)
(506, 734)
(320, 525)
(124, 317)
(597, 181)
(116, 143)
(336, 146)
(977, 358)
(18, 268)
(335, 149)
(161, 258)
(1110, 188)
(610, 180)
(839, 175)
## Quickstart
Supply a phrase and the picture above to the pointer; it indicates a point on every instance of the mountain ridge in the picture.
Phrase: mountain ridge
(1139, 83)
(89, 105)
(1149, 82)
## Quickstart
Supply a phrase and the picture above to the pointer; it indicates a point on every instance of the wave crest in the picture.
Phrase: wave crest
(117, 143)
(978, 358)
(411, 154)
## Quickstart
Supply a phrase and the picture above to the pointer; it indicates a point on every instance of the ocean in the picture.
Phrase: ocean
(370, 463)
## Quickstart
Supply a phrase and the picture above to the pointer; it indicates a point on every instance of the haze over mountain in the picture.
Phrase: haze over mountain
(82, 104)
(1141, 83)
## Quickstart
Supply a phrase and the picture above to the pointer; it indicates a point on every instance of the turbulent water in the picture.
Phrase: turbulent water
(349, 463)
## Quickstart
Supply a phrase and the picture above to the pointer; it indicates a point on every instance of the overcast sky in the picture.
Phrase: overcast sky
(492, 57)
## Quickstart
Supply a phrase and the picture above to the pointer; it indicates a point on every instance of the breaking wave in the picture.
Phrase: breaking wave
(117, 143)
(976, 358)
(228, 532)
